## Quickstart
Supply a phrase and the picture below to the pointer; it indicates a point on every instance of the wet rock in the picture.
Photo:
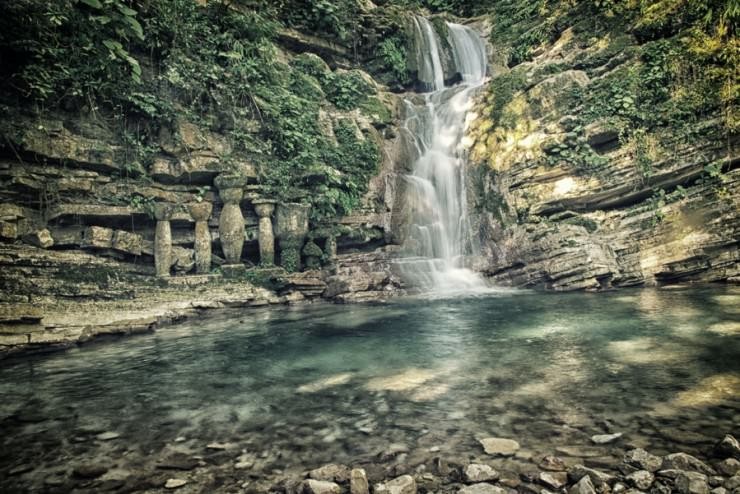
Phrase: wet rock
(715, 481)
(605, 438)
(683, 461)
(174, 483)
(312, 486)
(729, 466)
(598, 478)
(107, 436)
(510, 479)
(405, 484)
(584, 486)
(691, 483)
(481, 488)
(552, 463)
(220, 446)
(358, 482)
(90, 471)
(331, 473)
(555, 480)
(728, 447)
(579, 451)
(178, 461)
(642, 459)
(718, 490)
(619, 488)
(732, 483)
(499, 446)
(641, 479)
(476, 472)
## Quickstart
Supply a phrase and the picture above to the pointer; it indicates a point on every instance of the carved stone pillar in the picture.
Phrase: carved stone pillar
(264, 209)
(163, 239)
(200, 212)
(231, 222)
(292, 227)
(331, 247)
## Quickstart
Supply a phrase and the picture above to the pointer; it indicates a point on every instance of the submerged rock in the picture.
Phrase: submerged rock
(599, 479)
(175, 483)
(331, 473)
(476, 472)
(499, 446)
(552, 463)
(728, 447)
(683, 461)
(554, 480)
(605, 438)
(89, 471)
(584, 486)
(107, 436)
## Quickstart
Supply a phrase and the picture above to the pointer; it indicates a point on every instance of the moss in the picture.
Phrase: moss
(312, 250)
(377, 111)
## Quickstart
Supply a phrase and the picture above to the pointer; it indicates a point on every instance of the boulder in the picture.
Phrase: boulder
(312, 486)
(683, 461)
(583, 486)
(183, 260)
(358, 482)
(732, 483)
(405, 484)
(331, 473)
(128, 242)
(599, 479)
(641, 479)
(728, 447)
(476, 472)
(481, 488)
(97, 237)
(729, 466)
(39, 238)
(691, 483)
(8, 230)
(499, 446)
(642, 459)
(554, 480)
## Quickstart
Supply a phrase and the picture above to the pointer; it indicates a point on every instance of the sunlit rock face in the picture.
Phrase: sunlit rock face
(563, 200)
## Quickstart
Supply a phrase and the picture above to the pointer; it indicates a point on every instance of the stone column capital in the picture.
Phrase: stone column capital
(163, 211)
(200, 211)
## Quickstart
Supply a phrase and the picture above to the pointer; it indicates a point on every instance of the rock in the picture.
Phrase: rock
(584, 486)
(718, 490)
(358, 482)
(728, 466)
(312, 486)
(619, 488)
(476, 472)
(499, 446)
(107, 436)
(579, 451)
(555, 480)
(641, 479)
(331, 473)
(89, 471)
(598, 479)
(691, 483)
(8, 230)
(174, 483)
(216, 446)
(683, 461)
(642, 459)
(715, 481)
(178, 461)
(405, 484)
(552, 463)
(39, 238)
(97, 237)
(481, 488)
(728, 447)
(732, 483)
(605, 438)
(128, 242)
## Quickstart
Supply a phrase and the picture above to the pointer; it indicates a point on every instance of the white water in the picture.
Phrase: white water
(439, 235)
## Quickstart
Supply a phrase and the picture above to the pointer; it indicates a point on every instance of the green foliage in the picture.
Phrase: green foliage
(266, 278)
(502, 89)
(347, 90)
(392, 52)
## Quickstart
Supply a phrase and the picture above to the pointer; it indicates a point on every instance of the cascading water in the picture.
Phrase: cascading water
(439, 235)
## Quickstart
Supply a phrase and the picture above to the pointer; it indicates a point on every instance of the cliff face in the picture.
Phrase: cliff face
(605, 161)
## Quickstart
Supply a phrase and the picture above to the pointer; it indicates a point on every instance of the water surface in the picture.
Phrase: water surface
(386, 386)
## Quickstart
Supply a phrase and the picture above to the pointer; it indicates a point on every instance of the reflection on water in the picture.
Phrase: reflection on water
(300, 387)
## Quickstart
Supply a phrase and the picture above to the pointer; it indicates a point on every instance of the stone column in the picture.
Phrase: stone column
(163, 239)
(231, 222)
(331, 247)
(264, 209)
(292, 227)
(200, 212)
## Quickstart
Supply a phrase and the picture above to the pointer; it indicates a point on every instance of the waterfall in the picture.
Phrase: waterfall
(439, 234)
